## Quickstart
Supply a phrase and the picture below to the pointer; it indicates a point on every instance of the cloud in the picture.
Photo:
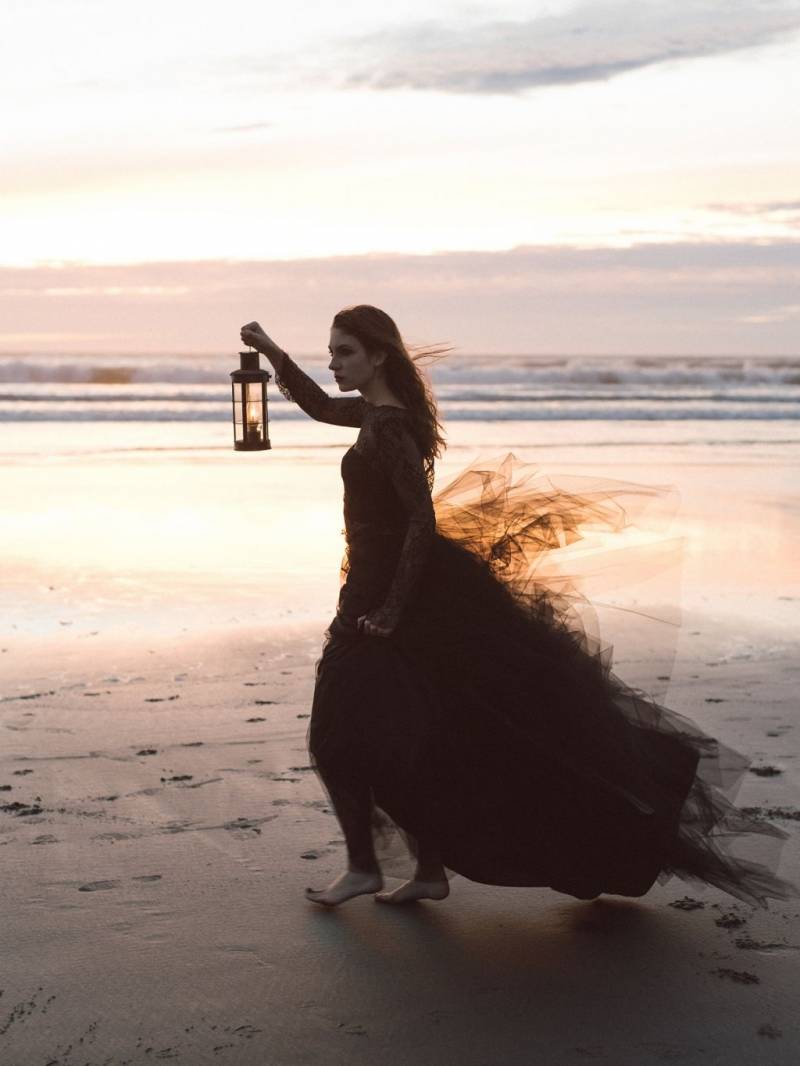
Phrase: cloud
(589, 43)
(759, 209)
(690, 297)
(250, 127)
(785, 313)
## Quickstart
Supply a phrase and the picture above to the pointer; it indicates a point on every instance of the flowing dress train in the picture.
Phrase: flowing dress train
(491, 720)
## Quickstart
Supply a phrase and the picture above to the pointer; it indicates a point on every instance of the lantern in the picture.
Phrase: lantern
(249, 394)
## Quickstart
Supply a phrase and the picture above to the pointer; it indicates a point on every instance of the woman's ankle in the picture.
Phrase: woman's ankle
(430, 873)
(363, 866)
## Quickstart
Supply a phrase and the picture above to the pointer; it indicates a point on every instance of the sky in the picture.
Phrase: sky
(508, 177)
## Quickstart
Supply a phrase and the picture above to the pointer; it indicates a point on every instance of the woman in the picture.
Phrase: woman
(462, 703)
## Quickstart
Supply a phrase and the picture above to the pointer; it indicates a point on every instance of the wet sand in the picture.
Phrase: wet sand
(159, 824)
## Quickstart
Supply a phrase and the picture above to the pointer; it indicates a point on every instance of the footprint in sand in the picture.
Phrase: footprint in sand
(770, 1030)
(765, 771)
(790, 814)
(352, 1028)
(29, 696)
(21, 809)
(98, 886)
(741, 977)
(729, 920)
(247, 825)
(687, 904)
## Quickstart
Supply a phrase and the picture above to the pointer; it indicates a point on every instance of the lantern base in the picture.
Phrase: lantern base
(246, 446)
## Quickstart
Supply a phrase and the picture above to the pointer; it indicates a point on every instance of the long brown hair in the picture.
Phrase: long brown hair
(378, 332)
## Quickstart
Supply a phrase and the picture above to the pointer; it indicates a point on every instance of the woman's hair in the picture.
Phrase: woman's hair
(378, 332)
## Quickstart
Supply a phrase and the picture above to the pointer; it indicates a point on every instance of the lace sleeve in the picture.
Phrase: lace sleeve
(400, 458)
(298, 387)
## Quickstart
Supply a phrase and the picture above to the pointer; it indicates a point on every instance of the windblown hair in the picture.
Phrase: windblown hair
(378, 332)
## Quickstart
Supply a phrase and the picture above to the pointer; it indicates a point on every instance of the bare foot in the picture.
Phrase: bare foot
(349, 884)
(410, 891)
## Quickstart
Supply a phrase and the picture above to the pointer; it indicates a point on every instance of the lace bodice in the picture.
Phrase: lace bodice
(389, 515)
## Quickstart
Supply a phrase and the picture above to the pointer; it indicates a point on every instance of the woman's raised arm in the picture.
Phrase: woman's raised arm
(298, 387)
(306, 393)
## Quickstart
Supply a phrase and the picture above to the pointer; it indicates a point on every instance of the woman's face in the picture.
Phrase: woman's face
(352, 366)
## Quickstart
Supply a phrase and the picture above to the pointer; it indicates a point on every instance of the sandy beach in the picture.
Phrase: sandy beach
(159, 820)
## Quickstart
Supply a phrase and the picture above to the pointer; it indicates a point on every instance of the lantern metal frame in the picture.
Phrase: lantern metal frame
(251, 382)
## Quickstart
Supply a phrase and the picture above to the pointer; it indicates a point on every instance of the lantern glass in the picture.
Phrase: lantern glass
(249, 414)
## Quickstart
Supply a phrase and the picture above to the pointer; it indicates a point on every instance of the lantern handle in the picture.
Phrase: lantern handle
(249, 360)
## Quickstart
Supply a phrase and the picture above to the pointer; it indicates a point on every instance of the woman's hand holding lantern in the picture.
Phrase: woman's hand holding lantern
(254, 336)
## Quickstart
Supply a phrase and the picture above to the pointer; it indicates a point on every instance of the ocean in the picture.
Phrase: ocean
(92, 388)
(126, 508)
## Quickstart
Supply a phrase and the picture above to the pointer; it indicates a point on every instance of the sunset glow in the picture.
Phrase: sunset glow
(258, 136)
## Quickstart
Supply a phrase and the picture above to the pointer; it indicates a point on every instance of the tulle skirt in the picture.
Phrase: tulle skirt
(492, 724)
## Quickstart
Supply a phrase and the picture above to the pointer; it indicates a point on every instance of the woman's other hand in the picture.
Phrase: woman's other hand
(375, 624)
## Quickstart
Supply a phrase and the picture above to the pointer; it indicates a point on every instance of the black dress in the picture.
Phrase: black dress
(490, 720)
